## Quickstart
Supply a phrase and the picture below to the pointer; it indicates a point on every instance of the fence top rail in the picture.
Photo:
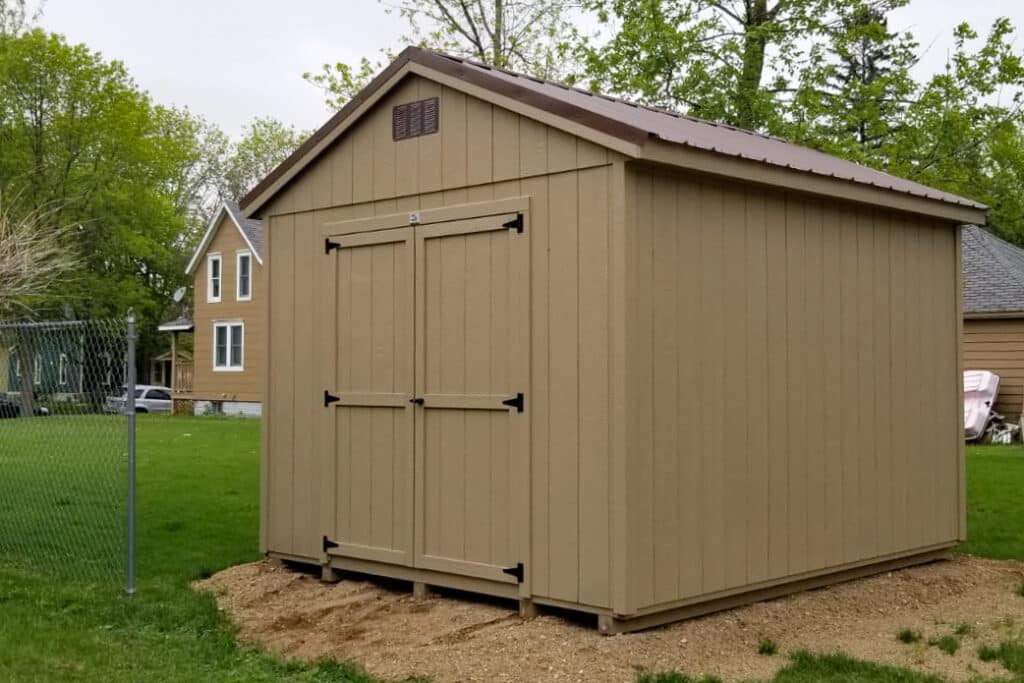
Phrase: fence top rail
(55, 324)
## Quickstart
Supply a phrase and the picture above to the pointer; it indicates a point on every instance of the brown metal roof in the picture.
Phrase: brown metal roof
(624, 120)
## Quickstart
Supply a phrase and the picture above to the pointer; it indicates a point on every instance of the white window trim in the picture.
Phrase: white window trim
(227, 324)
(238, 274)
(37, 371)
(62, 370)
(210, 298)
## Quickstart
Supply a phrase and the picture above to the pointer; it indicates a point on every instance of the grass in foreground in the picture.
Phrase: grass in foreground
(198, 498)
(197, 513)
(995, 506)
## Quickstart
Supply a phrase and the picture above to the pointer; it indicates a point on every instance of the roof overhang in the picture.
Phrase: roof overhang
(631, 141)
(208, 236)
(758, 172)
(176, 326)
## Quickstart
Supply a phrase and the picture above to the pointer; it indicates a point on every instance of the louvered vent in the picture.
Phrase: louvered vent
(414, 118)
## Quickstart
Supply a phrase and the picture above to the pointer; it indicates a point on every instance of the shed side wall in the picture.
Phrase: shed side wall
(481, 153)
(246, 385)
(792, 386)
(997, 345)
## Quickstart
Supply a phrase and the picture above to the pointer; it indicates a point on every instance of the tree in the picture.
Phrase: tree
(85, 147)
(953, 131)
(265, 143)
(532, 36)
(853, 96)
(710, 57)
(16, 16)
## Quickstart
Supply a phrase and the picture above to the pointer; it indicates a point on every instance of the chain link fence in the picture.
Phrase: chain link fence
(64, 462)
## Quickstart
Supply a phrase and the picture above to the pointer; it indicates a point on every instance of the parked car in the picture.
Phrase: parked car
(10, 406)
(148, 399)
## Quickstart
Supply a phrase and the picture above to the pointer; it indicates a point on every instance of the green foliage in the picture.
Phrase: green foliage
(987, 653)
(532, 36)
(673, 677)
(767, 647)
(965, 630)
(1010, 654)
(83, 144)
(839, 668)
(723, 61)
(830, 75)
(265, 143)
(908, 636)
(948, 644)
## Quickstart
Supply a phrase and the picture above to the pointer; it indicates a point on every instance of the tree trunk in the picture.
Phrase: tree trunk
(755, 42)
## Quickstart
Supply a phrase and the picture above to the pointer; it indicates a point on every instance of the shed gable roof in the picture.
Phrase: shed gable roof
(251, 230)
(993, 273)
(631, 123)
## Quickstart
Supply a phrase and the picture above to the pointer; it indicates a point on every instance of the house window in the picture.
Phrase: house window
(243, 284)
(62, 370)
(228, 346)
(37, 374)
(213, 278)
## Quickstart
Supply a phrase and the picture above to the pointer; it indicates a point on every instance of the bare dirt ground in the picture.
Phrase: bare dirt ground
(451, 637)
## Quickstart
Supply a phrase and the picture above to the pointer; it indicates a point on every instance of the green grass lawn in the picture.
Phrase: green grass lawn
(197, 513)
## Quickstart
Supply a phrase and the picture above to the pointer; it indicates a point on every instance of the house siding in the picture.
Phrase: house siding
(208, 384)
(997, 345)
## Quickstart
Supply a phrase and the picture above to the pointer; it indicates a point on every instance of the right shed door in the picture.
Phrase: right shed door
(472, 373)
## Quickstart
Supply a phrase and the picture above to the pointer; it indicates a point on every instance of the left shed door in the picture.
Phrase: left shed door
(374, 386)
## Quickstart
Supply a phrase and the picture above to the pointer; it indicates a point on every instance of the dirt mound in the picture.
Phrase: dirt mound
(468, 638)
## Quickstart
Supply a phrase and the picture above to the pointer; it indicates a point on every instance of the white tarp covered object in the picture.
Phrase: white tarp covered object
(980, 390)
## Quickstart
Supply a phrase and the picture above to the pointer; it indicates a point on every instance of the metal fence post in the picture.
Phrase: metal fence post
(129, 409)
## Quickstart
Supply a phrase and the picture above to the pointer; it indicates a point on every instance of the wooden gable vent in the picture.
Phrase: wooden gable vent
(412, 119)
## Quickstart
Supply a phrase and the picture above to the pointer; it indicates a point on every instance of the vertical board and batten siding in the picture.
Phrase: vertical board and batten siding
(481, 153)
(246, 385)
(791, 386)
(997, 345)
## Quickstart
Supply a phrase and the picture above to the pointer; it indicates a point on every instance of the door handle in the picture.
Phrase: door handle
(416, 401)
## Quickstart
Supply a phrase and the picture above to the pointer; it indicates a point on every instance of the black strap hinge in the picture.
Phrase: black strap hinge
(516, 571)
(515, 224)
(328, 544)
(518, 402)
(330, 398)
(330, 246)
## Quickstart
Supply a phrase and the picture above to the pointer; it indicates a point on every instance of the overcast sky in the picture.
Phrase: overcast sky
(231, 60)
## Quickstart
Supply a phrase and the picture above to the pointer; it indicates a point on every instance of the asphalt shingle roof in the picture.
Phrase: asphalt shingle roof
(252, 228)
(993, 273)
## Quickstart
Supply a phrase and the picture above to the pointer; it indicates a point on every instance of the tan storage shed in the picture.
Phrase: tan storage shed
(533, 342)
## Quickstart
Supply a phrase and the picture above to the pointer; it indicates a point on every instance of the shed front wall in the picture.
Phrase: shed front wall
(792, 387)
(207, 383)
(481, 153)
(997, 345)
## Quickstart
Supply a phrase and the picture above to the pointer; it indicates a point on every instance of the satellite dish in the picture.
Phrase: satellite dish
(179, 294)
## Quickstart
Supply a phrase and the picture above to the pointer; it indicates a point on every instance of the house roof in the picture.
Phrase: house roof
(251, 230)
(177, 325)
(617, 118)
(993, 273)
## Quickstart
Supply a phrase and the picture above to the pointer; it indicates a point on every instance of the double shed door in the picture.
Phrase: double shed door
(432, 354)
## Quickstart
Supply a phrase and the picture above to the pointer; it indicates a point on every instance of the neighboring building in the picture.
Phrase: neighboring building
(994, 314)
(66, 361)
(226, 373)
(531, 341)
